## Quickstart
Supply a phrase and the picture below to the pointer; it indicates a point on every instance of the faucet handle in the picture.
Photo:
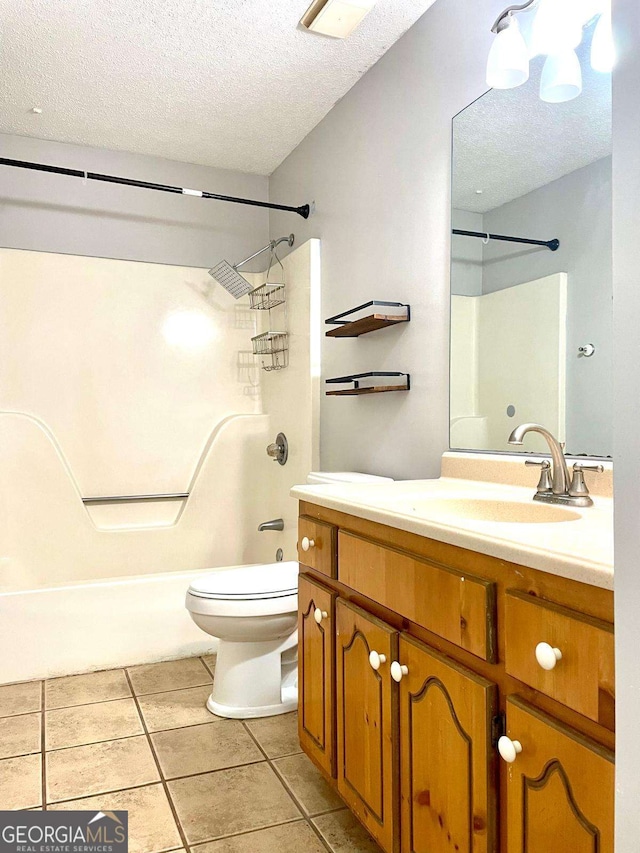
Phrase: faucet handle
(544, 483)
(578, 487)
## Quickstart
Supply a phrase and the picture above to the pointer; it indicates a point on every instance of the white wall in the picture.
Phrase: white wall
(626, 322)
(378, 167)
(54, 213)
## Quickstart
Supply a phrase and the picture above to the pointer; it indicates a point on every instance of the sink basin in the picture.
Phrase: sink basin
(481, 509)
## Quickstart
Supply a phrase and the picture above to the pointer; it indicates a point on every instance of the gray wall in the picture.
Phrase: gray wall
(626, 326)
(577, 210)
(378, 167)
(53, 213)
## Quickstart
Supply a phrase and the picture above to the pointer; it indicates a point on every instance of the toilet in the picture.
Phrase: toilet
(253, 611)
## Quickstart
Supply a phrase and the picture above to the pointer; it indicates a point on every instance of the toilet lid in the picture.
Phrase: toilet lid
(273, 580)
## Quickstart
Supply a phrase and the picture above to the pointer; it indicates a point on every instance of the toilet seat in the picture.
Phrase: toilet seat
(248, 583)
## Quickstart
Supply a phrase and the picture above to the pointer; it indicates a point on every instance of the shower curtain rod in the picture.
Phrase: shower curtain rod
(303, 210)
(554, 245)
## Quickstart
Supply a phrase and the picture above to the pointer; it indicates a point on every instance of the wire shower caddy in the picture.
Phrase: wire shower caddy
(271, 346)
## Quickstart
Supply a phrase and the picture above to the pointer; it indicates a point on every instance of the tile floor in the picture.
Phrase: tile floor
(141, 739)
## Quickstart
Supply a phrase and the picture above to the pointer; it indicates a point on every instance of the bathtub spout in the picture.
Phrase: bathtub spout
(276, 524)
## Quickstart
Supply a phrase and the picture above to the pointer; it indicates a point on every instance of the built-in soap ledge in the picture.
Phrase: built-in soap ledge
(510, 470)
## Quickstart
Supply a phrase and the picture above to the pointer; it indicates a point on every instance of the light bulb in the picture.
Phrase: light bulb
(508, 62)
(561, 78)
(603, 52)
(557, 28)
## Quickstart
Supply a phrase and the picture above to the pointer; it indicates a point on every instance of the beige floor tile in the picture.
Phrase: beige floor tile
(110, 766)
(277, 735)
(91, 723)
(20, 735)
(176, 708)
(21, 782)
(210, 662)
(289, 838)
(170, 675)
(231, 801)
(199, 749)
(20, 698)
(307, 784)
(152, 827)
(345, 834)
(84, 689)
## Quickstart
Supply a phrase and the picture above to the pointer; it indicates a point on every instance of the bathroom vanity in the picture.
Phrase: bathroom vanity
(460, 699)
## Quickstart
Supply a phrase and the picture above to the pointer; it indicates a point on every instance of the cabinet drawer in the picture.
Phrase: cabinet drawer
(458, 607)
(583, 677)
(320, 539)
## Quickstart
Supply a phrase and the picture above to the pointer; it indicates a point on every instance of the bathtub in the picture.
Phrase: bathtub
(83, 627)
(82, 590)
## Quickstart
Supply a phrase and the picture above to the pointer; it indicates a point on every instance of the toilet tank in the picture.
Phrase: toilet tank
(317, 477)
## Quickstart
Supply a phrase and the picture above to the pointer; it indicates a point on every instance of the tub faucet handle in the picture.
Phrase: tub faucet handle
(278, 450)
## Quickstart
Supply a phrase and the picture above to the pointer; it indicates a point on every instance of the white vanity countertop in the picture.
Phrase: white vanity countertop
(580, 549)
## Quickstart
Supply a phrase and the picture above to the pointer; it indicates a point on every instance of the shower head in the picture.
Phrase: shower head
(230, 279)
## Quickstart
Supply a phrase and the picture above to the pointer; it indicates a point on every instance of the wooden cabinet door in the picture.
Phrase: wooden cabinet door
(366, 712)
(560, 787)
(316, 672)
(447, 762)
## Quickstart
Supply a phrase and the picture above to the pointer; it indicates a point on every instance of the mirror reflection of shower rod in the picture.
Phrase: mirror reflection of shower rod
(554, 245)
(302, 210)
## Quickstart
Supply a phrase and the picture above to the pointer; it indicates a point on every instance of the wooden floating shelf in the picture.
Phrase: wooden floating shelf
(376, 389)
(357, 389)
(370, 323)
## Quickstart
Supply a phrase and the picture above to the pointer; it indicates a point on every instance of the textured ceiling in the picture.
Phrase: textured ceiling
(509, 142)
(228, 83)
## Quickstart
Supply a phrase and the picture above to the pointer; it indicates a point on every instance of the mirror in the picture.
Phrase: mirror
(531, 328)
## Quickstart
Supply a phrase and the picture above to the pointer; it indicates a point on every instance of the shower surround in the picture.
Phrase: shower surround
(126, 378)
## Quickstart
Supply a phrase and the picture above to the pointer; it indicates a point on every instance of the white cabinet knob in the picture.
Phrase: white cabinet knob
(398, 671)
(307, 543)
(319, 615)
(509, 749)
(375, 660)
(547, 656)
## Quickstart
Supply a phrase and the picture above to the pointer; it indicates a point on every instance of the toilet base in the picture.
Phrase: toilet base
(255, 679)
(289, 703)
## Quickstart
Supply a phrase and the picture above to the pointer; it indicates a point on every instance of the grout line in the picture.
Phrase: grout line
(305, 817)
(181, 832)
(211, 772)
(106, 794)
(206, 665)
(308, 820)
(94, 742)
(43, 751)
(215, 838)
(172, 689)
(84, 704)
(195, 846)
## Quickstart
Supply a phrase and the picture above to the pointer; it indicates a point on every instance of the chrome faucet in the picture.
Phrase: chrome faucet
(559, 487)
(275, 524)
(559, 470)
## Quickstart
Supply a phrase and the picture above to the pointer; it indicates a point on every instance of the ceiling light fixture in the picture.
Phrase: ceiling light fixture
(335, 18)
(556, 32)
(508, 63)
